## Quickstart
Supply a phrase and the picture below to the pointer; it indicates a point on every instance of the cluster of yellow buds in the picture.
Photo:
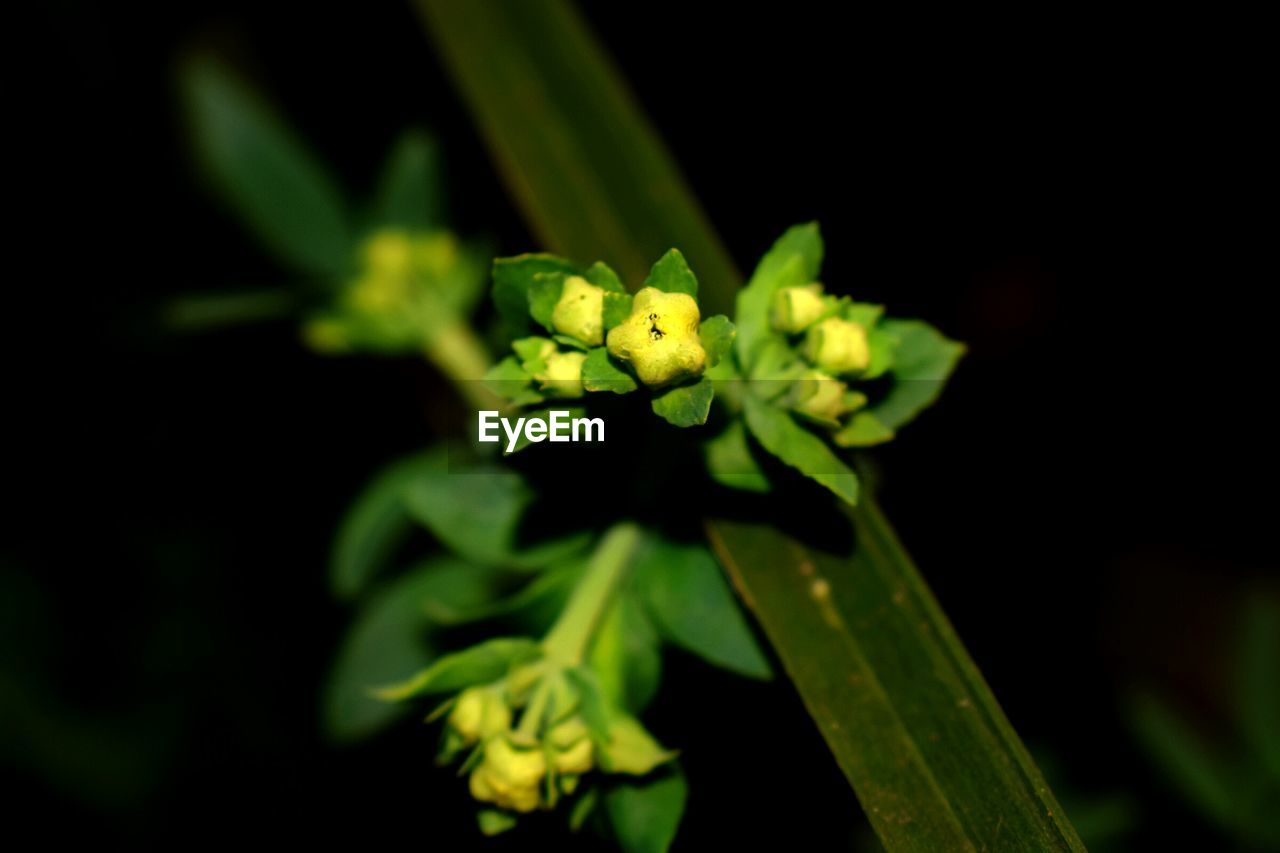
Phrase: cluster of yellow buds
(836, 345)
(406, 284)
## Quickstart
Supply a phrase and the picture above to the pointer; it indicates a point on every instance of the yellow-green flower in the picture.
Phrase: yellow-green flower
(572, 747)
(660, 338)
(563, 376)
(837, 346)
(580, 311)
(479, 713)
(795, 309)
(820, 396)
(388, 253)
(509, 776)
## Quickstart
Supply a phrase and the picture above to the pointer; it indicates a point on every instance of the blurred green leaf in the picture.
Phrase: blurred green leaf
(495, 821)
(480, 664)
(512, 280)
(199, 312)
(779, 434)
(630, 748)
(693, 607)
(377, 523)
(389, 640)
(907, 714)
(266, 174)
(685, 405)
(794, 259)
(587, 169)
(626, 655)
(1197, 773)
(645, 815)
(922, 362)
(717, 334)
(476, 511)
(671, 274)
(1258, 680)
(730, 463)
(409, 193)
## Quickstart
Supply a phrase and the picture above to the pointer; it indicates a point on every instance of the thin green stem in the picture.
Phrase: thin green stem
(570, 638)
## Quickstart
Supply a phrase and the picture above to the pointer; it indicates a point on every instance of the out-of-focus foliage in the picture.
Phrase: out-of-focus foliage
(1233, 783)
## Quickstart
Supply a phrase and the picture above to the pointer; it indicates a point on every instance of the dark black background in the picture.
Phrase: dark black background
(1078, 198)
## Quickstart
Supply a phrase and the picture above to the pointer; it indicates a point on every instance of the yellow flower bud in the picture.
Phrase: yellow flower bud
(563, 376)
(580, 311)
(837, 346)
(660, 338)
(509, 777)
(489, 788)
(388, 253)
(819, 396)
(479, 713)
(380, 293)
(576, 759)
(794, 309)
(435, 254)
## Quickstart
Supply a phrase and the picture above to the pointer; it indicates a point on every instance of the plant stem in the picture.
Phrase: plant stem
(570, 637)
(462, 357)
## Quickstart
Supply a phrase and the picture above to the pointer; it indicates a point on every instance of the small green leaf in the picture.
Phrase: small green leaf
(544, 293)
(601, 373)
(476, 512)
(693, 607)
(583, 807)
(602, 275)
(685, 405)
(796, 258)
(480, 664)
(672, 274)
(626, 655)
(922, 362)
(267, 175)
(730, 463)
(376, 524)
(863, 430)
(630, 748)
(512, 382)
(779, 434)
(617, 308)
(591, 702)
(570, 342)
(513, 278)
(543, 415)
(717, 334)
(495, 821)
(409, 192)
(646, 815)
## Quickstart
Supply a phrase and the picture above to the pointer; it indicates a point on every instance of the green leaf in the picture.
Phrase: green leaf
(863, 430)
(922, 362)
(1198, 774)
(376, 524)
(544, 294)
(285, 196)
(630, 748)
(543, 415)
(685, 405)
(904, 710)
(601, 373)
(512, 382)
(476, 511)
(779, 434)
(591, 702)
(200, 312)
(794, 259)
(693, 607)
(617, 308)
(480, 664)
(646, 815)
(409, 193)
(602, 275)
(584, 164)
(495, 821)
(730, 463)
(513, 278)
(717, 334)
(625, 655)
(389, 640)
(671, 274)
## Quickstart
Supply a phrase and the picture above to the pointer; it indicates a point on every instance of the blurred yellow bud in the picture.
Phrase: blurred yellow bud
(509, 776)
(837, 346)
(660, 338)
(435, 254)
(794, 309)
(479, 713)
(820, 396)
(580, 311)
(388, 253)
(575, 759)
(563, 376)
(326, 335)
